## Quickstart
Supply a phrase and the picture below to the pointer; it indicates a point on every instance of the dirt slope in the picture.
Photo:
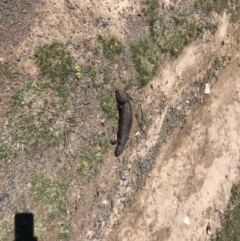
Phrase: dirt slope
(195, 170)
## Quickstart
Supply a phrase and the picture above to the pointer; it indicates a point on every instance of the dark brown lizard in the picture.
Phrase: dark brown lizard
(125, 120)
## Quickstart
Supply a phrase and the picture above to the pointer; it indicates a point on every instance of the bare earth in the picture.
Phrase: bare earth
(196, 169)
(189, 185)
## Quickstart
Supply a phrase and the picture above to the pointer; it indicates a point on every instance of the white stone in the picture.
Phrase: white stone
(186, 220)
(207, 89)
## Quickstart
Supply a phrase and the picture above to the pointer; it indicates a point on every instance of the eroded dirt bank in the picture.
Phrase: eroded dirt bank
(196, 169)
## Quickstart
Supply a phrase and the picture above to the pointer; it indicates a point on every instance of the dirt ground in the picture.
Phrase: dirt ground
(185, 174)
(196, 169)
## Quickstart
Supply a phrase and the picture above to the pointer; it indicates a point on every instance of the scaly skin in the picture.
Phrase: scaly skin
(125, 120)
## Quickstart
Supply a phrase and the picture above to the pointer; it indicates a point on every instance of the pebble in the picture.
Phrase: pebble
(73, 124)
(104, 24)
(86, 102)
(97, 20)
(186, 221)
(72, 95)
(68, 42)
(18, 58)
(77, 46)
(5, 1)
(207, 89)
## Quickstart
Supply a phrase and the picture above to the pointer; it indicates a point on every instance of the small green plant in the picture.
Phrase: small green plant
(78, 72)
(54, 61)
(84, 168)
(108, 103)
(235, 14)
(6, 152)
(50, 193)
(58, 160)
(65, 231)
(92, 159)
(112, 47)
(146, 58)
(142, 120)
(212, 5)
(32, 122)
(231, 225)
(100, 141)
(128, 84)
(7, 72)
(125, 163)
(115, 184)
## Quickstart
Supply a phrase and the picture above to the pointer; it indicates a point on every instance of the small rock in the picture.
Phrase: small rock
(97, 20)
(137, 133)
(166, 82)
(112, 203)
(72, 95)
(104, 24)
(207, 89)
(0, 99)
(73, 124)
(186, 221)
(77, 46)
(68, 42)
(208, 230)
(11, 22)
(15, 43)
(122, 176)
(5, 1)
(18, 58)
(86, 102)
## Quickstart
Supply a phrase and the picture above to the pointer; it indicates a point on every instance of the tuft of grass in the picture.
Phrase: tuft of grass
(92, 159)
(50, 193)
(115, 184)
(231, 224)
(167, 34)
(7, 72)
(211, 5)
(111, 47)
(34, 118)
(100, 81)
(65, 231)
(108, 103)
(146, 58)
(36, 109)
(128, 84)
(143, 121)
(54, 61)
(7, 233)
(100, 140)
(6, 152)
(125, 163)
(235, 14)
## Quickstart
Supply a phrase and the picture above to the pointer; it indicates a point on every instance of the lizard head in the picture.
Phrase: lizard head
(121, 96)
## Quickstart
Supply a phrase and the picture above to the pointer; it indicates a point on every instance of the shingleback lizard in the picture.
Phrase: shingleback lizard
(125, 120)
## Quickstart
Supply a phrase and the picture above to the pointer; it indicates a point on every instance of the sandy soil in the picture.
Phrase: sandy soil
(190, 184)
(193, 171)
